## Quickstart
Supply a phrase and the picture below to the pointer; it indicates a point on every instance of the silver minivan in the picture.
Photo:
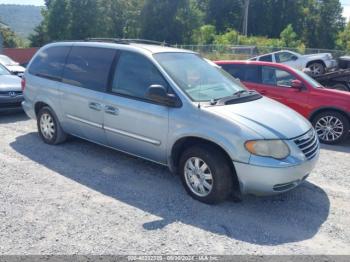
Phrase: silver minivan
(172, 107)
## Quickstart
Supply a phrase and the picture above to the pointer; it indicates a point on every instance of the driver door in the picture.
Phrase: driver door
(288, 58)
(133, 123)
(277, 84)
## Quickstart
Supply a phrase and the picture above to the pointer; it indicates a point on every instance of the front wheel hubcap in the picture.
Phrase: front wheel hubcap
(198, 176)
(47, 126)
(329, 128)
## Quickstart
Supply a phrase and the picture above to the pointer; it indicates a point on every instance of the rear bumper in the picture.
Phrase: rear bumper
(261, 180)
(10, 103)
(28, 109)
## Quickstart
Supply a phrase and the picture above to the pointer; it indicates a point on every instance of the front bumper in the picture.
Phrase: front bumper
(264, 180)
(330, 64)
(8, 103)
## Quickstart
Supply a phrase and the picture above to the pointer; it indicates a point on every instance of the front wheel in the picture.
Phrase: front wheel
(332, 127)
(317, 68)
(206, 174)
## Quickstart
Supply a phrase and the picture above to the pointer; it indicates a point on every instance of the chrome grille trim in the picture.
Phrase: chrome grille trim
(308, 144)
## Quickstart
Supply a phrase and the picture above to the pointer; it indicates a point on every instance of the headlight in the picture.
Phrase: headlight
(270, 148)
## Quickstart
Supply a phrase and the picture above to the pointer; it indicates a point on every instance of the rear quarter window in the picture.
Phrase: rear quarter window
(236, 71)
(89, 67)
(49, 62)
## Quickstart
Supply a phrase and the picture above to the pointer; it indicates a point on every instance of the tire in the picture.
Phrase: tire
(340, 86)
(332, 127)
(219, 168)
(316, 68)
(49, 127)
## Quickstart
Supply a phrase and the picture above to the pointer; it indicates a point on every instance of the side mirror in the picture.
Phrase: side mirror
(297, 84)
(158, 93)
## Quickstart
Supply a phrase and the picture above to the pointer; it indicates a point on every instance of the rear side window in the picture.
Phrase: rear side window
(252, 74)
(236, 71)
(266, 58)
(89, 67)
(134, 74)
(49, 63)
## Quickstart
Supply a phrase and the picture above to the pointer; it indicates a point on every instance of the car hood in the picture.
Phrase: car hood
(10, 83)
(335, 94)
(318, 56)
(266, 117)
(16, 68)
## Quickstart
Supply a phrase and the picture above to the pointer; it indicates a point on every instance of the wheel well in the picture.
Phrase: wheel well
(182, 144)
(38, 106)
(314, 114)
(315, 61)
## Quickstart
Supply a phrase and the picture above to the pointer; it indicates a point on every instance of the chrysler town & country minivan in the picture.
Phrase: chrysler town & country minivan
(172, 107)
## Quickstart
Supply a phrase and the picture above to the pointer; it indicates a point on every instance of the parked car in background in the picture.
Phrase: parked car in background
(10, 91)
(14, 67)
(172, 107)
(344, 62)
(327, 109)
(317, 63)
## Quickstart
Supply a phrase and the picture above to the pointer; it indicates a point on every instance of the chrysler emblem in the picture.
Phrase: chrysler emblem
(12, 94)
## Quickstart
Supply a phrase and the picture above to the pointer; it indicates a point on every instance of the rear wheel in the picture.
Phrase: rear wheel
(206, 174)
(317, 68)
(49, 127)
(332, 127)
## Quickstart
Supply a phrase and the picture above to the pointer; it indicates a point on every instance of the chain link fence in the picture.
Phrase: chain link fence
(242, 52)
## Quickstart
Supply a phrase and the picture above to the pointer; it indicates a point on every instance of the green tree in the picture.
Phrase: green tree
(343, 41)
(84, 19)
(168, 20)
(204, 35)
(223, 14)
(58, 20)
(289, 38)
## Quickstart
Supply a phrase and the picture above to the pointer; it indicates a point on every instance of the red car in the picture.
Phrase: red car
(328, 110)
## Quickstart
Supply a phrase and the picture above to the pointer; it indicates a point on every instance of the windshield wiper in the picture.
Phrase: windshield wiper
(238, 93)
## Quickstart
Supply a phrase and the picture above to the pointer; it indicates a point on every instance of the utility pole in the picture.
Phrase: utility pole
(245, 19)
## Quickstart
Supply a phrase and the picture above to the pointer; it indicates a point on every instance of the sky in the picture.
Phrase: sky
(345, 3)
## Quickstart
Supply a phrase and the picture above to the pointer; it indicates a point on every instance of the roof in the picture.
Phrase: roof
(141, 47)
(261, 63)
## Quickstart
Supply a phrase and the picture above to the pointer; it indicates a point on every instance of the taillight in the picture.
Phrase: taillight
(23, 83)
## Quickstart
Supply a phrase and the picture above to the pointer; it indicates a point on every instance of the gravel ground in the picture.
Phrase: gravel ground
(81, 198)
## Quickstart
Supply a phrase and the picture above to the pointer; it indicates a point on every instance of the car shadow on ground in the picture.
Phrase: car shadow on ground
(290, 217)
(343, 147)
(12, 117)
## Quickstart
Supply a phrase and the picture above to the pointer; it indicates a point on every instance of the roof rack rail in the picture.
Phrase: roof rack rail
(127, 41)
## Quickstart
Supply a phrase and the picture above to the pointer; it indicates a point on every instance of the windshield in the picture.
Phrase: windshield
(7, 61)
(4, 71)
(309, 79)
(201, 81)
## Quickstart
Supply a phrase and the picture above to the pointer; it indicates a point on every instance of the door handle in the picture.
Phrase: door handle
(111, 110)
(95, 106)
(262, 92)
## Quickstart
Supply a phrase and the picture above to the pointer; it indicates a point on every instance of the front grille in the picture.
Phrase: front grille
(10, 93)
(308, 144)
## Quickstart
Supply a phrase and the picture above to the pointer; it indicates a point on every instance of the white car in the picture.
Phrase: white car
(11, 65)
(317, 63)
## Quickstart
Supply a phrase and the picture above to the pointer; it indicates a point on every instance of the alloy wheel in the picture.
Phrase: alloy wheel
(198, 176)
(329, 128)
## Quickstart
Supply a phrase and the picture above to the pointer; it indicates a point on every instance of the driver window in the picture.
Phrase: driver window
(284, 57)
(134, 74)
(276, 77)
